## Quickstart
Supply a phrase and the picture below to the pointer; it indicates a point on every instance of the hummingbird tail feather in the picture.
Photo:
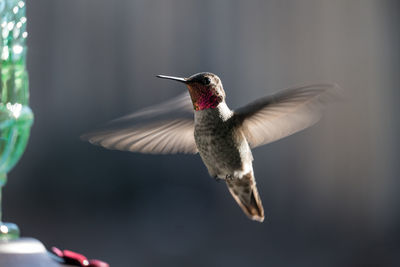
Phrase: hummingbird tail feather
(245, 192)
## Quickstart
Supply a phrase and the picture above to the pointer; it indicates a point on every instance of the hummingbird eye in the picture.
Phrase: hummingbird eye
(206, 81)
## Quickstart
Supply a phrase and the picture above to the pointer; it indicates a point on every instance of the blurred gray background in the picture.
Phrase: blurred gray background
(330, 192)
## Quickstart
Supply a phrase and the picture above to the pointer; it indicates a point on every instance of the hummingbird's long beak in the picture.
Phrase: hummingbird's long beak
(183, 80)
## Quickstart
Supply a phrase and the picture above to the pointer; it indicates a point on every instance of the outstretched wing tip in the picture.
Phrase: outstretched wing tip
(167, 128)
(289, 111)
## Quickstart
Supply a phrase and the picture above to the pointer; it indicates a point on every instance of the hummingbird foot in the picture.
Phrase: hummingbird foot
(229, 177)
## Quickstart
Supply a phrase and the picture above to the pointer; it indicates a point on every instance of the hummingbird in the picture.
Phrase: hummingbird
(200, 121)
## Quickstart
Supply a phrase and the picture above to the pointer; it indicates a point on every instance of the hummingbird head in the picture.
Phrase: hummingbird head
(205, 89)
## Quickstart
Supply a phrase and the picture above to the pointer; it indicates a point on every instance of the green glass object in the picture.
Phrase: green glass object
(16, 117)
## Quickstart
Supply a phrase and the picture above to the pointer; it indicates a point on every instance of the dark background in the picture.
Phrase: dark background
(330, 192)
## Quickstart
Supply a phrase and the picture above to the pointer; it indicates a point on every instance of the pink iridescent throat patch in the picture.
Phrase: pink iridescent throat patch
(203, 97)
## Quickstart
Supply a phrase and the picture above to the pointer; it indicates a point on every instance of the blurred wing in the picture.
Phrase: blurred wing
(284, 113)
(167, 128)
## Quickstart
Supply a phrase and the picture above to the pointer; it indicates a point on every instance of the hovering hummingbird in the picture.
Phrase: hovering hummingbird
(200, 121)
